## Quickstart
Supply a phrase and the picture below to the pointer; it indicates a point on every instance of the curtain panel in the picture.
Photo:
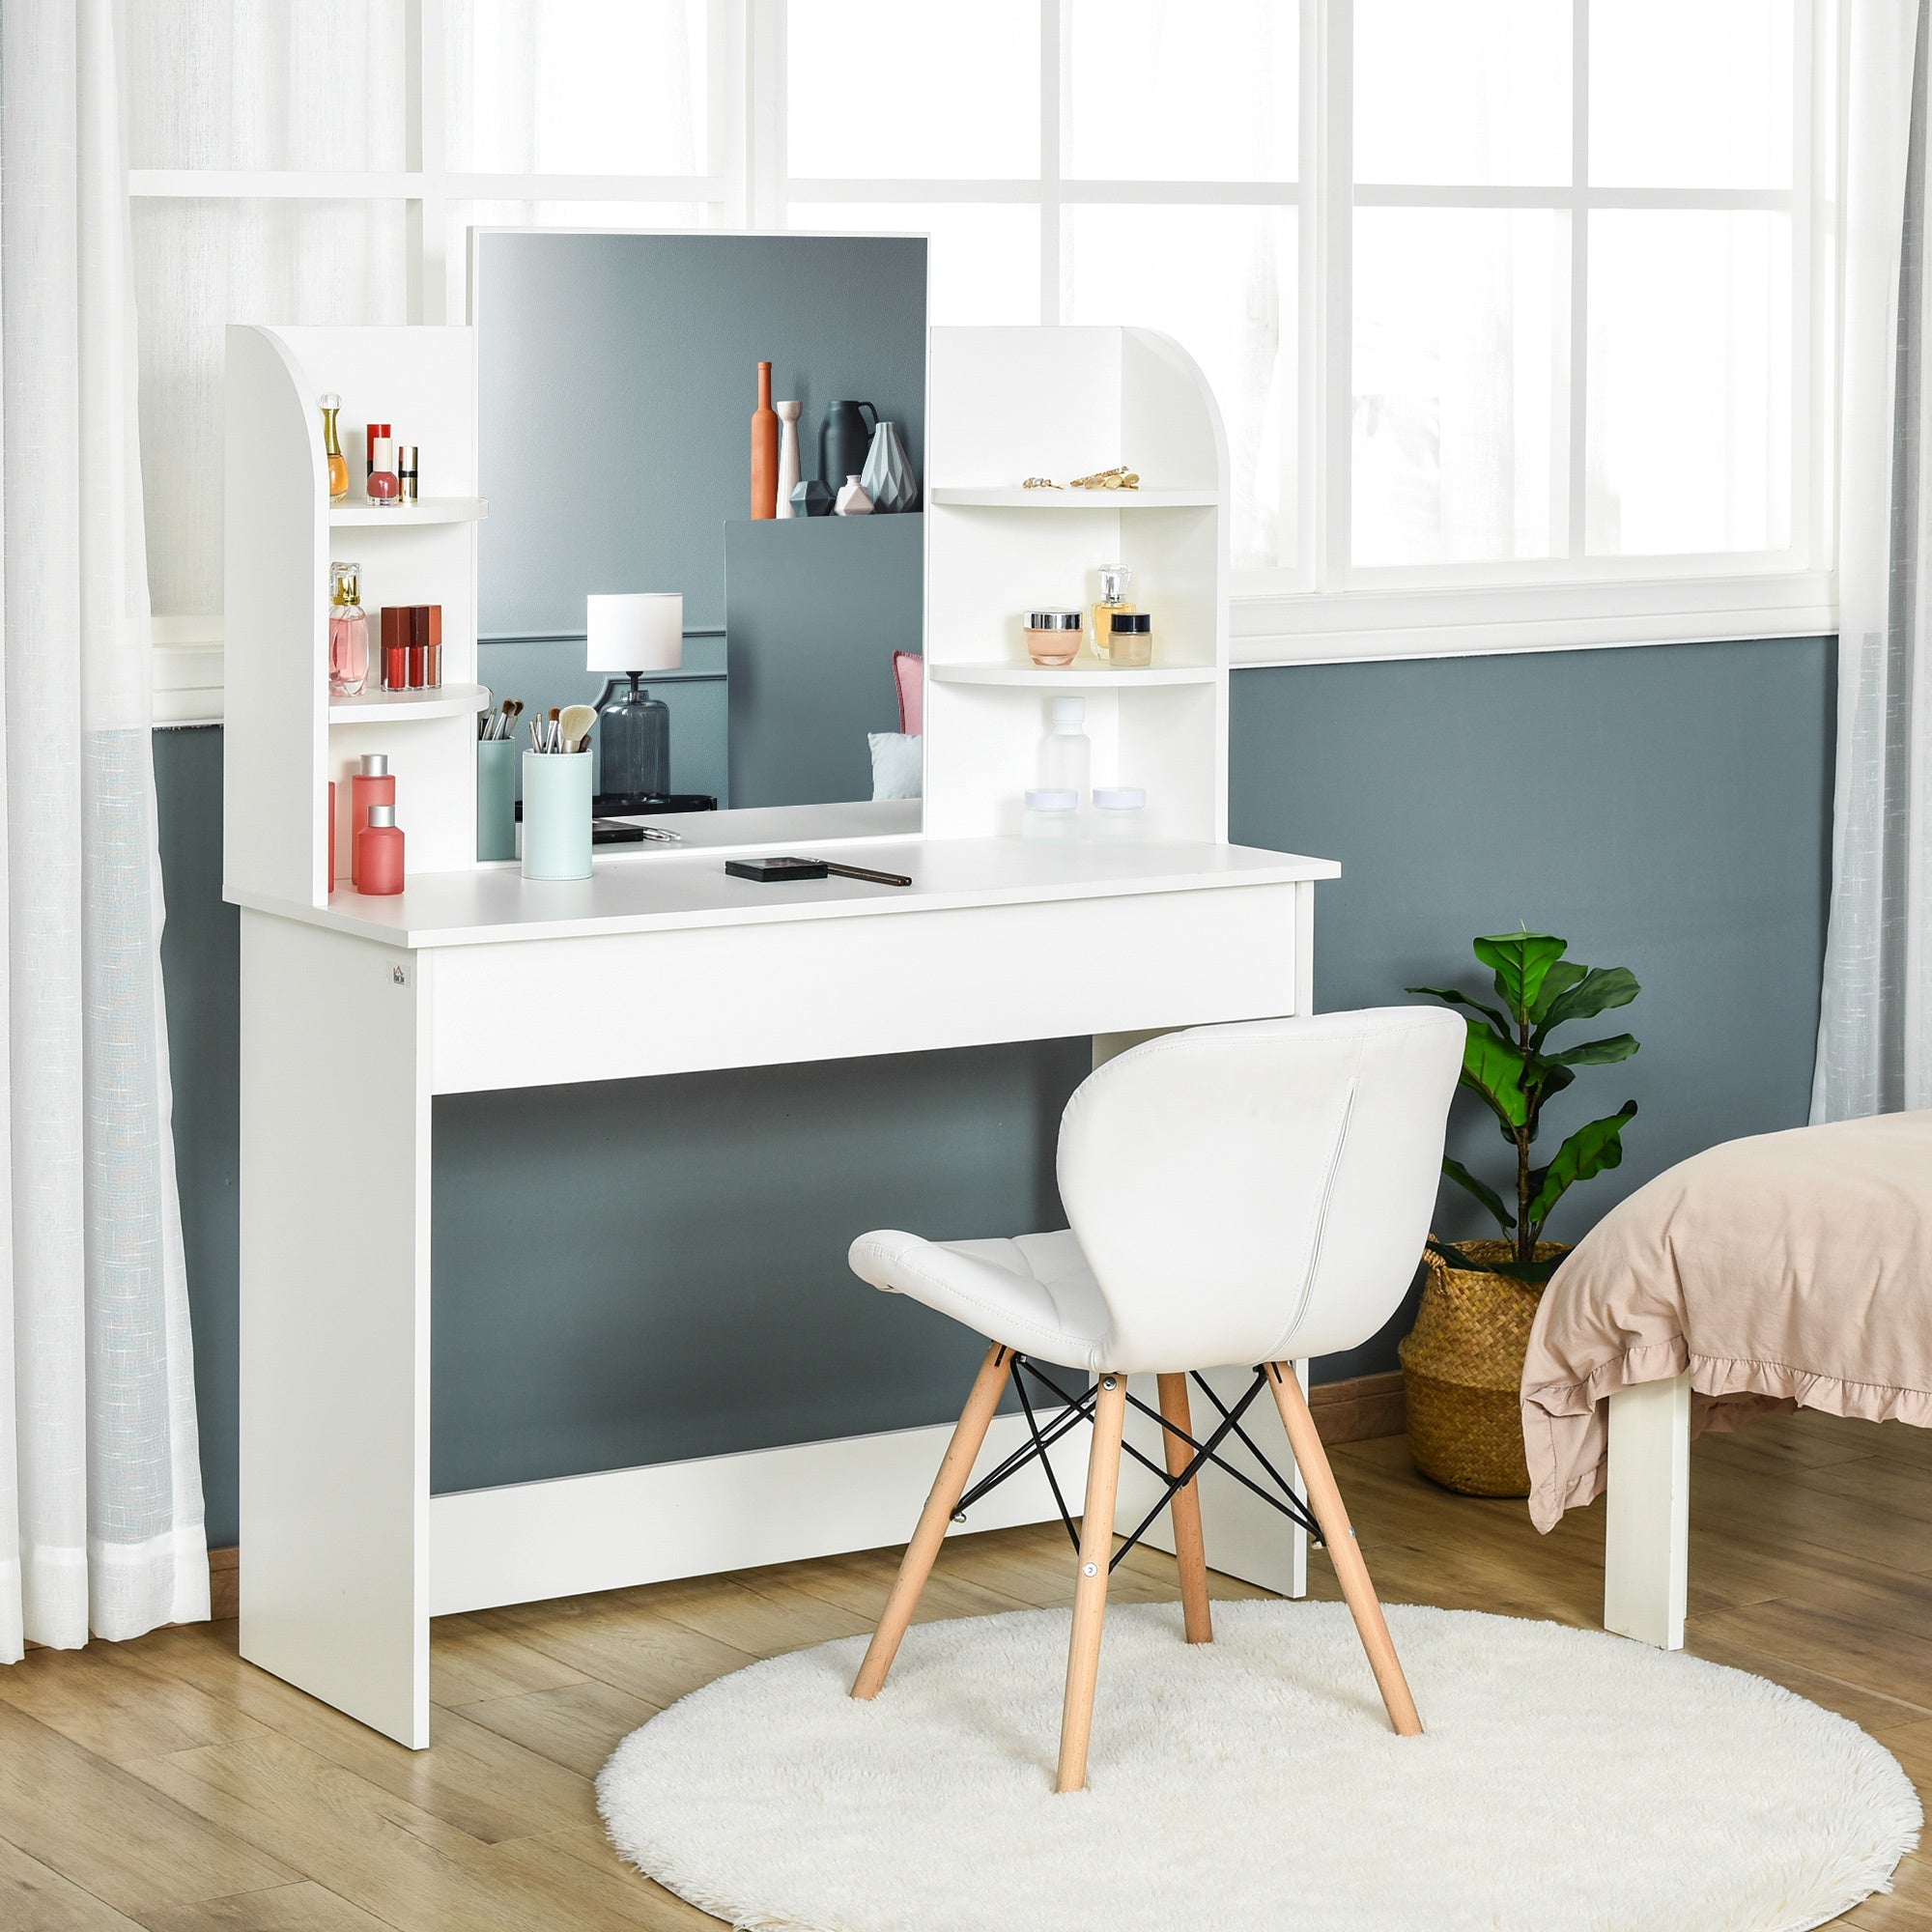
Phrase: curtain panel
(100, 1508)
(1875, 1020)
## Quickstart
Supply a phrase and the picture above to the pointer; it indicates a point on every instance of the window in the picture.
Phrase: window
(1513, 306)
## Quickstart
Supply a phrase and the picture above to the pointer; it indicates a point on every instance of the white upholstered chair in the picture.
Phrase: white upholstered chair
(1239, 1195)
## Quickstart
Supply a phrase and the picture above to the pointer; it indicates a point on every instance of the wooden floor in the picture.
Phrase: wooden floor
(166, 1784)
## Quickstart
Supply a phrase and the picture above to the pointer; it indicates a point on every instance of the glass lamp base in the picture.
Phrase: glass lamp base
(634, 742)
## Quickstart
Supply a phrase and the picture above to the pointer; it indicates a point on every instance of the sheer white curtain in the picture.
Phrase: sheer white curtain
(1875, 1023)
(100, 1516)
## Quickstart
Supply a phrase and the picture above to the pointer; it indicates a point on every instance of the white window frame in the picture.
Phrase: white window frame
(1326, 609)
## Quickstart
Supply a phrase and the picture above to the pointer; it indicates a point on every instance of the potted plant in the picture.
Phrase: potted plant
(1463, 1363)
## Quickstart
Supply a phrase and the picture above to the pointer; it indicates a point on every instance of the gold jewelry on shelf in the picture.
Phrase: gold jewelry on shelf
(1121, 478)
(1039, 483)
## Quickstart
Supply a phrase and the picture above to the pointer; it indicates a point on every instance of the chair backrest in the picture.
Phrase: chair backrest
(1248, 1193)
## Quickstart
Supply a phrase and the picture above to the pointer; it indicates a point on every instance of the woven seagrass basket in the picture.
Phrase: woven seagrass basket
(1462, 1367)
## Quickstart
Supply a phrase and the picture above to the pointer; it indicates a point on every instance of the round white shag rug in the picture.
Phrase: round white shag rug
(1568, 1781)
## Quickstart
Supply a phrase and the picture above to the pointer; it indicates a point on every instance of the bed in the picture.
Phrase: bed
(1789, 1270)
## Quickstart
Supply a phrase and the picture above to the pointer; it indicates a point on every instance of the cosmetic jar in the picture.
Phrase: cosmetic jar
(1119, 812)
(1052, 637)
(1130, 645)
(1052, 816)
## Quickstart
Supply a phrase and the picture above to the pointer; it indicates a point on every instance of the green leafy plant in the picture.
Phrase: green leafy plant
(1509, 1064)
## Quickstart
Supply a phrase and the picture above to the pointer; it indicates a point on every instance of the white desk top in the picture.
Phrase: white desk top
(664, 888)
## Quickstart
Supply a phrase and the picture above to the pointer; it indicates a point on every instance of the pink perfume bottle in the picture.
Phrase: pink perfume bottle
(348, 631)
(379, 852)
(384, 487)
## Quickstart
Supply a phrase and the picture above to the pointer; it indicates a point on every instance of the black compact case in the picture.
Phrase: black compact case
(776, 871)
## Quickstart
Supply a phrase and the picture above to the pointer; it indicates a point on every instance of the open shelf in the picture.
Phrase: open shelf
(430, 510)
(403, 707)
(1074, 499)
(1070, 677)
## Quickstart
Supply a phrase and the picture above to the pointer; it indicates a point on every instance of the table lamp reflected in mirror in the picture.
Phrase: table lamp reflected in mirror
(632, 635)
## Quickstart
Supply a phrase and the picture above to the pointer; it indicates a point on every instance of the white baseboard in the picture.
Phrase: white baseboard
(622, 1527)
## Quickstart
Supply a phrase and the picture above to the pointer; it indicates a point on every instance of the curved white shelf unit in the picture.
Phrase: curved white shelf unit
(1053, 402)
(403, 707)
(1070, 677)
(430, 510)
(966, 499)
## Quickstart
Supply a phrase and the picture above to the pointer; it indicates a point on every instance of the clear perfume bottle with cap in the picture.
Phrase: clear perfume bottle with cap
(1114, 580)
(1065, 752)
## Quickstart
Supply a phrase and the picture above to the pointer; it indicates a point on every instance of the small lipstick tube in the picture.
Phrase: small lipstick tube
(395, 647)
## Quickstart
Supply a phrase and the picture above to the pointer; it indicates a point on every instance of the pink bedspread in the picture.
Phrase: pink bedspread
(1792, 1270)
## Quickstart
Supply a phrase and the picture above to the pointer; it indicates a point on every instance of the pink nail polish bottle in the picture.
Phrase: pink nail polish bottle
(382, 486)
(379, 852)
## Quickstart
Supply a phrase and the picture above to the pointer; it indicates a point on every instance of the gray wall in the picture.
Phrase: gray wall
(618, 374)
(1672, 815)
(1665, 809)
(814, 611)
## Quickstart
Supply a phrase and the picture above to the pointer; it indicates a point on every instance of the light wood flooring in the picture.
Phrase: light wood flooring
(166, 1784)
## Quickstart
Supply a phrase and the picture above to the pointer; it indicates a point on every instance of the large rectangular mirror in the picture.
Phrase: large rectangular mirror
(617, 375)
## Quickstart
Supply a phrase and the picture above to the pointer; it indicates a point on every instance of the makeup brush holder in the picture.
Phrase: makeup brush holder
(495, 799)
(556, 814)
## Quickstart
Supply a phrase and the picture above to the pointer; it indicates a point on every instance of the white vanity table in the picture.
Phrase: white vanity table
(357, 1012)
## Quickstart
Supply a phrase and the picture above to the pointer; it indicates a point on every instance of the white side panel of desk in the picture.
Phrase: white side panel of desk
(334, 1369)
(515, 1014)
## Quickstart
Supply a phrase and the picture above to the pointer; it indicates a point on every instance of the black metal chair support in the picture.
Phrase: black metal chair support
(1076, 1409)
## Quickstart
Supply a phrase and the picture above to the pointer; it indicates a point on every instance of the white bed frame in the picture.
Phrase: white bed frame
(1647, 1534)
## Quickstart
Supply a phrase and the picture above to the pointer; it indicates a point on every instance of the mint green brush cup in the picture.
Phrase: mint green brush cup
(495, 799)
(556, 814)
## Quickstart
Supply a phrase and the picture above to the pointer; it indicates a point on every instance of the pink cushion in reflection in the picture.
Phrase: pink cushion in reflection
(908, 673)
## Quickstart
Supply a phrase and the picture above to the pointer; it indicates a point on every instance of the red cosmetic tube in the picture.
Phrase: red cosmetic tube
(395, 647)
(416, 628)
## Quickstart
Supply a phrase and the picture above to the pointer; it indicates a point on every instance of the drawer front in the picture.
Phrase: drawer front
(545, 1012)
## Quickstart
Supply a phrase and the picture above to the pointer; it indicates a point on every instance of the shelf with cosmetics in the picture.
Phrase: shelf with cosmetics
(1076, 676)
(1079, 501)
(399, 707)
(1008, 592)
(412, 624)
(354, 515)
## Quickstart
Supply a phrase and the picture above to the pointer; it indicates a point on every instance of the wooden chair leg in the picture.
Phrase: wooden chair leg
(1089, 1588)
(948, 1487)
(1325, 1501)
(1190, 1546)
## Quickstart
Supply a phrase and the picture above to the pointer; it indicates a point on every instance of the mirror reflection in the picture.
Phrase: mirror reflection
(704, 456)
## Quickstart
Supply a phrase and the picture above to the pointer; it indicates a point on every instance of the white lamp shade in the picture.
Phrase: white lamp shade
(637, 631)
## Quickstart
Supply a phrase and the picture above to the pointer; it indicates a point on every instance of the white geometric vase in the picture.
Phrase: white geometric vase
(887, 473)
(788, 414)
(852, 501)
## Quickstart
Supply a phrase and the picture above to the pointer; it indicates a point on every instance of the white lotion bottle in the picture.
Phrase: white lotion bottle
(1067, 753)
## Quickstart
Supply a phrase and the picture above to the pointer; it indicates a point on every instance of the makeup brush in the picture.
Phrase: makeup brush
(574, 725)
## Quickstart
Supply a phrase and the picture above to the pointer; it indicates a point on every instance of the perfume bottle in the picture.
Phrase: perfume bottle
(383, 488)
(374, 784)
(1067, 752)
(331, 447)
(348, 631)
(1114, 580)
(379, 852)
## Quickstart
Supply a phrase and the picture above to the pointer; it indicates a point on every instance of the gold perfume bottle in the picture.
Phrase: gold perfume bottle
(1114, 580)
(331, 447)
